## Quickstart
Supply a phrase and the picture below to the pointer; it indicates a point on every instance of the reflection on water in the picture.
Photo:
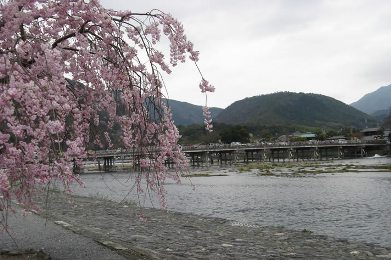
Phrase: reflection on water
(345, 205)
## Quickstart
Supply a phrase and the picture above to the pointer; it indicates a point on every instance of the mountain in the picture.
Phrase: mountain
(294, 109)
(185, 113)
(375, 101)
(381, 115)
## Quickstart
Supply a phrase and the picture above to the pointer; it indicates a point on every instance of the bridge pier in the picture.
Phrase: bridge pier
(228, 158)
(194, 159)
(340, 152)
(169, 163)
(108, 163)
(363, 152)
(247, 158)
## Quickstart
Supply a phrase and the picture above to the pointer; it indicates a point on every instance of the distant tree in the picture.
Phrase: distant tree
(321, 134)
(297, 139)
(235, 134)
(45, 121)
(196, 134)
(331, 133)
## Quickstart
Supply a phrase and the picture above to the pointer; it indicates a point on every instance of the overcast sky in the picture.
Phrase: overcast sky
(338, 48)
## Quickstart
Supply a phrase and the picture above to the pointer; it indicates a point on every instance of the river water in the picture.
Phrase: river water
(350, 205)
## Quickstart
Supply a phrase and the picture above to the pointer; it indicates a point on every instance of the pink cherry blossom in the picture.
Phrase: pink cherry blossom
(4, 183)
(47, 122)
(205, 86)
(55, 127)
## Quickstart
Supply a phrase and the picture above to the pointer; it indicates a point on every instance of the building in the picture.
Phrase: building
(337, 139)
(371, 134)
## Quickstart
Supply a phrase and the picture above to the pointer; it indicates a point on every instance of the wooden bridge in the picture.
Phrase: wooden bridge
(287, 152)
(226, 154)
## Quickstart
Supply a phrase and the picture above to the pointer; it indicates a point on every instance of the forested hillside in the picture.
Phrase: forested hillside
(185, 113)
(300, 109)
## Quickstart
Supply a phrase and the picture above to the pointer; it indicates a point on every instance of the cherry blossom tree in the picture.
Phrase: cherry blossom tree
(45, 119)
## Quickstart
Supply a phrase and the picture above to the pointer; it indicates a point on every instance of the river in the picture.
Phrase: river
(347, 205)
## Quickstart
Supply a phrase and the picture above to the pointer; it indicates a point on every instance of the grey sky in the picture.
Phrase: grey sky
(338, 48)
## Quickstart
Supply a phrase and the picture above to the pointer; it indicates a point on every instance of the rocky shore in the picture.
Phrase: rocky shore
(143, 233)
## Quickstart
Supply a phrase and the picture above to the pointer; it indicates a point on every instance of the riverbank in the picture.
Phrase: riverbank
(33, 237)
(300, 169)
(144, 233)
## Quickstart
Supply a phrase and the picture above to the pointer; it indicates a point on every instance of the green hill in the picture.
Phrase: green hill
(184, 113)
(294, 109)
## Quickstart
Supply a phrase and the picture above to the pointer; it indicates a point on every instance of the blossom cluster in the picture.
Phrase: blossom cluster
(207, 119)
(205, 86)
(47, 122)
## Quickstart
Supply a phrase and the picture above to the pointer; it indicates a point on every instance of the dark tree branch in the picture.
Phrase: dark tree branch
(54, 45)
(22, 32)
(65, 37)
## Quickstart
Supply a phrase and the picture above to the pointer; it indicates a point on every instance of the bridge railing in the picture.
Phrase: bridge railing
(187, 148)
(278, 144)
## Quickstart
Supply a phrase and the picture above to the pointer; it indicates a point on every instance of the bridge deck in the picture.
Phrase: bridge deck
(225, 153)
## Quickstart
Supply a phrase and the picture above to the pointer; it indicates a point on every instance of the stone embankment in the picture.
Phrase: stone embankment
(140, 233)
